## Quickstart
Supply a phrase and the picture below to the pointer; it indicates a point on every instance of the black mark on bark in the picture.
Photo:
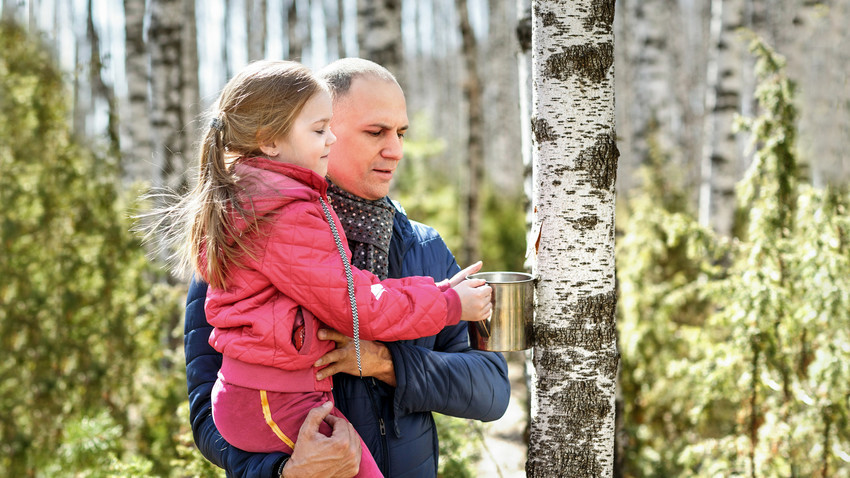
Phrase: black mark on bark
(523, 32)
(542, 131)
(600, 162)
(597, 330)
(585, 223)
(548, 19)
(587, 61)
(601, 16)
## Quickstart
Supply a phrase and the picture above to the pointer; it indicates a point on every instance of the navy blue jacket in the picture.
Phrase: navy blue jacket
(440, 373)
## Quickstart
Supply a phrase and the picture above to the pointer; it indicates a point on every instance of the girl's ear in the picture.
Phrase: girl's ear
(267, 145)
(270, 150)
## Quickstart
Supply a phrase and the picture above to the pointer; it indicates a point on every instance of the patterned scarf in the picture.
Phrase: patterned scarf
(368, 226)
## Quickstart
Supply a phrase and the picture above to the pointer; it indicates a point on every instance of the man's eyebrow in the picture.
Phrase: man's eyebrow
(386, 126)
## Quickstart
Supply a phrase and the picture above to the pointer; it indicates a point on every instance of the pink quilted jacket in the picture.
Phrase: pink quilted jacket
(298, 273)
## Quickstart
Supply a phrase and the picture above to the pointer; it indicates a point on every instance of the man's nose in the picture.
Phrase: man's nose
(393, 148)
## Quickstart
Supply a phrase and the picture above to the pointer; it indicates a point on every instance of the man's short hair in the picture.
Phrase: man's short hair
(340, 73)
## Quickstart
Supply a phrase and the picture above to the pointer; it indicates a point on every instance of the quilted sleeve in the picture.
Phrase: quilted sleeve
(303, 262)
(450, 377)
(202, 364)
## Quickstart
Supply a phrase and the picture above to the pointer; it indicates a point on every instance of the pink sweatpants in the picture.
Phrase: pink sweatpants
(240, 414)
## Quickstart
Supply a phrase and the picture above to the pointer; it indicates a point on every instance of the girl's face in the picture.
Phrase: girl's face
(309, 140)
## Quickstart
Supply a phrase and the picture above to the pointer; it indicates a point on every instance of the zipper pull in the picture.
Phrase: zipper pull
(383, 428)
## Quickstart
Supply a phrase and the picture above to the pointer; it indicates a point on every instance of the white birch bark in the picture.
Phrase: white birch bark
(523, 31)
(255, 14)
(820, 61)
(136, 145)
(648, 83)
(225, 45)
(575, 157)
(165, 37)
(379, 34)
(475, 138)
(723, 150)
(190, 98)
(295, 33)
(99, 88)
(10, 11)
(333, 29)
(502, 138)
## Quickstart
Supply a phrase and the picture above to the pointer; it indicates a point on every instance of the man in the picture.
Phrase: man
(403, 382)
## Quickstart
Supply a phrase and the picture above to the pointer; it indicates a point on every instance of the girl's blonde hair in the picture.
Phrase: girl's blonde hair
(256, 107)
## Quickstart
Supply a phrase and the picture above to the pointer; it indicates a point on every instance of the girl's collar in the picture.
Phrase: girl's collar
(299, 173)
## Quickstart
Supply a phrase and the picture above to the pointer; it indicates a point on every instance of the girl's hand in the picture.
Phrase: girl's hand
(475, 297)
(462, 275)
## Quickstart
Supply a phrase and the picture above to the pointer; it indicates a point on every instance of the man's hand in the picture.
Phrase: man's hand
(316, 455)
(375, 358)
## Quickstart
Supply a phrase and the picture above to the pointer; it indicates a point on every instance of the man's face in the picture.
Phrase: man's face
(369, 123)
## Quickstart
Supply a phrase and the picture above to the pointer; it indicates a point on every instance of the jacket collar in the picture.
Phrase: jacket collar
(402, 240)
(298, 173)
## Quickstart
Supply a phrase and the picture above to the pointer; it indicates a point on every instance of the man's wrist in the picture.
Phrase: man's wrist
(386, 373)
(280, 467)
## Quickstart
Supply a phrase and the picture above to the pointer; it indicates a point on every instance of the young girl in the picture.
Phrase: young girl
(261, 232)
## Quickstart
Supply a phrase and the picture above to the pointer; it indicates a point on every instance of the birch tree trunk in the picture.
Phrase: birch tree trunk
(137, 148)
(575, 157)
(649, 82)
(167, 112)
(523, 32)
(225, 45)
(98, 86)
(379, 34)
(722, 150)
(333, 29)
(190, 94)
(475, 138)
(255, 14)
(502, 139)
(295, 32)
(82, 95)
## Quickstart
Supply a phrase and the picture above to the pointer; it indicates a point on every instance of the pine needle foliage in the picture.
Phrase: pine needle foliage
(88, 381)
(736, 354)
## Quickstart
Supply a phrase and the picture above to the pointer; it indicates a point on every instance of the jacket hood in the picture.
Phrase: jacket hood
(269, 185)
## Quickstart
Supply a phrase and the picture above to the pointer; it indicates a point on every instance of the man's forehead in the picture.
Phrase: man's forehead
(374, 102)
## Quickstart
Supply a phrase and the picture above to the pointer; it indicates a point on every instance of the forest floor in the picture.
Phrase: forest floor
(504, 449)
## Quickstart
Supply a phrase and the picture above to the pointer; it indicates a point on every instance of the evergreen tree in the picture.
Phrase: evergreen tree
(88, 381)
(736, 353)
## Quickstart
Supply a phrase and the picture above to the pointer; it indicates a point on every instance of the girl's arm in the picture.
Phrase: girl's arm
(302, 261)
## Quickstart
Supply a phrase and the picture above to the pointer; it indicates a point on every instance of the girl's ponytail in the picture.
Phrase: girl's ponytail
(200, 226)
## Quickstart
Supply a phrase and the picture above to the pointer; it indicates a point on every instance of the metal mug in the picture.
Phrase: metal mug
(509, 325)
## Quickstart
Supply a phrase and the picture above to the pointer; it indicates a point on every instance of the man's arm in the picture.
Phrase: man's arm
(202, 364)
(452, 379)
(448, 376)
(430, 380)
(334, 456)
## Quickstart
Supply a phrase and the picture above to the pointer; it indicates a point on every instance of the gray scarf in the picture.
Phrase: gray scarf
(368, 225)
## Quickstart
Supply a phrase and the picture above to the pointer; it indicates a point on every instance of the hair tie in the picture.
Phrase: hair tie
(217, 124)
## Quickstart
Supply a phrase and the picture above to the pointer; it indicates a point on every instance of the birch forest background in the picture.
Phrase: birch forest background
(733, 234)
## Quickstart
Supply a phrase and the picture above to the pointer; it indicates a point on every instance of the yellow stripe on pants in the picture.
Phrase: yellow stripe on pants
(267, 414)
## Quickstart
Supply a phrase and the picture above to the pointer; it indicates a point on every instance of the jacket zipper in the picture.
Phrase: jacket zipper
(381, 426)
